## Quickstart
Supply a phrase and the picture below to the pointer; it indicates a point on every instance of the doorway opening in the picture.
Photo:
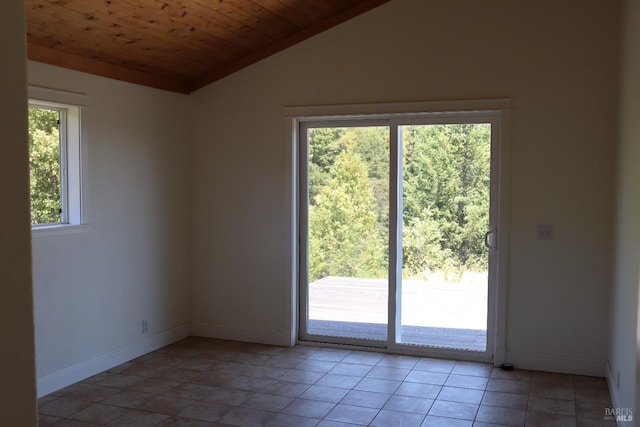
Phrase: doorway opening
(398, 231)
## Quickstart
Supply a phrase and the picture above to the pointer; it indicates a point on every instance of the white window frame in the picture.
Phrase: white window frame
(72, 108)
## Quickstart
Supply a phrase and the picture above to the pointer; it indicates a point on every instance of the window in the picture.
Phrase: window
(47, 145)
(54, 159)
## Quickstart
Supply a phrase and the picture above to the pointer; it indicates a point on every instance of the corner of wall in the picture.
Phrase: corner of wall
(18, 402)
(67, 376)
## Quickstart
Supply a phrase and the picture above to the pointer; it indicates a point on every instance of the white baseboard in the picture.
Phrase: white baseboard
(72, 374)
(554, 363)
(612, 382)
(207, 330)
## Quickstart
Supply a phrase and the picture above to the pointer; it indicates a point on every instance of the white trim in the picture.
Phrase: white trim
(74, 161)
(558, 363)
(72, 374)
(350, 111)
(208, 330)
(69, 99)
(394, 247)
(290, 224)
(55, 230)
(612, 384)
(300, 258)
(503, 215)
(65, 131)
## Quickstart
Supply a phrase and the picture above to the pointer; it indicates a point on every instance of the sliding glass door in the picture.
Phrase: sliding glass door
(396, 231)
(347, 216)
(445, 215)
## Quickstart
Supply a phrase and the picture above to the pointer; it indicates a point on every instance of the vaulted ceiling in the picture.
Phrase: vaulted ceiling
(177, 45)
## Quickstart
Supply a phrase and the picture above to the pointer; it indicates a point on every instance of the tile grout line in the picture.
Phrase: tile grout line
(250, 361)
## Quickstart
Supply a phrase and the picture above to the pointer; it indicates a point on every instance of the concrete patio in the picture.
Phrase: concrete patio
(435, 312)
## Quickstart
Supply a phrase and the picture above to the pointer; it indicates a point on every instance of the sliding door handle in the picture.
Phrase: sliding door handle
(489, 238)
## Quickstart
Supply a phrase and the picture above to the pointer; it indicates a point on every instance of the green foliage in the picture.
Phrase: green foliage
(343, 238)
(372, 145)
(324, 147)
(44, 164)
(446, 194)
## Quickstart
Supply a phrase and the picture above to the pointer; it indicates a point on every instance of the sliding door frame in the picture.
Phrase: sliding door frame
(303, 218)
(498, 111)
(395, 282)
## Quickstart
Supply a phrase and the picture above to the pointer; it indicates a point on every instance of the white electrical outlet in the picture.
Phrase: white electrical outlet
(145, 326)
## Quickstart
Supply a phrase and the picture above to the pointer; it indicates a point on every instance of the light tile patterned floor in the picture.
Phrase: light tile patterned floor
(202, 382)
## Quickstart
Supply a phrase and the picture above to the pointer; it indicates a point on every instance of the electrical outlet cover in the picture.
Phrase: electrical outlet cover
(545, 232)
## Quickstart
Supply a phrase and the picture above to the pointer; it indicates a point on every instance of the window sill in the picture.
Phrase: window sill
(57, 230)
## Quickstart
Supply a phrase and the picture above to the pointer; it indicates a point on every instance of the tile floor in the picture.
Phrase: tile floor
(204, 382)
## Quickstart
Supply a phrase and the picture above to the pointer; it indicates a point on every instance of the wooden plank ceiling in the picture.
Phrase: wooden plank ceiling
(177, 45)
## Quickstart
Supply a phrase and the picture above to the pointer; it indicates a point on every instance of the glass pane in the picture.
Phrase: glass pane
(348, 232)
(44, 165)
(446, 182)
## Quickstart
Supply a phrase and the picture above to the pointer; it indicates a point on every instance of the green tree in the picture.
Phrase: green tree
(324, 147)
(446, 193)
(343, 235)
(371, 144)
(44, 164)
(423, 250)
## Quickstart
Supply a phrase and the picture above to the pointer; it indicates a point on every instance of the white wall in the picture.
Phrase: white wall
(93, 289)
(625, 338)
(18, 391)
(557, 61)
